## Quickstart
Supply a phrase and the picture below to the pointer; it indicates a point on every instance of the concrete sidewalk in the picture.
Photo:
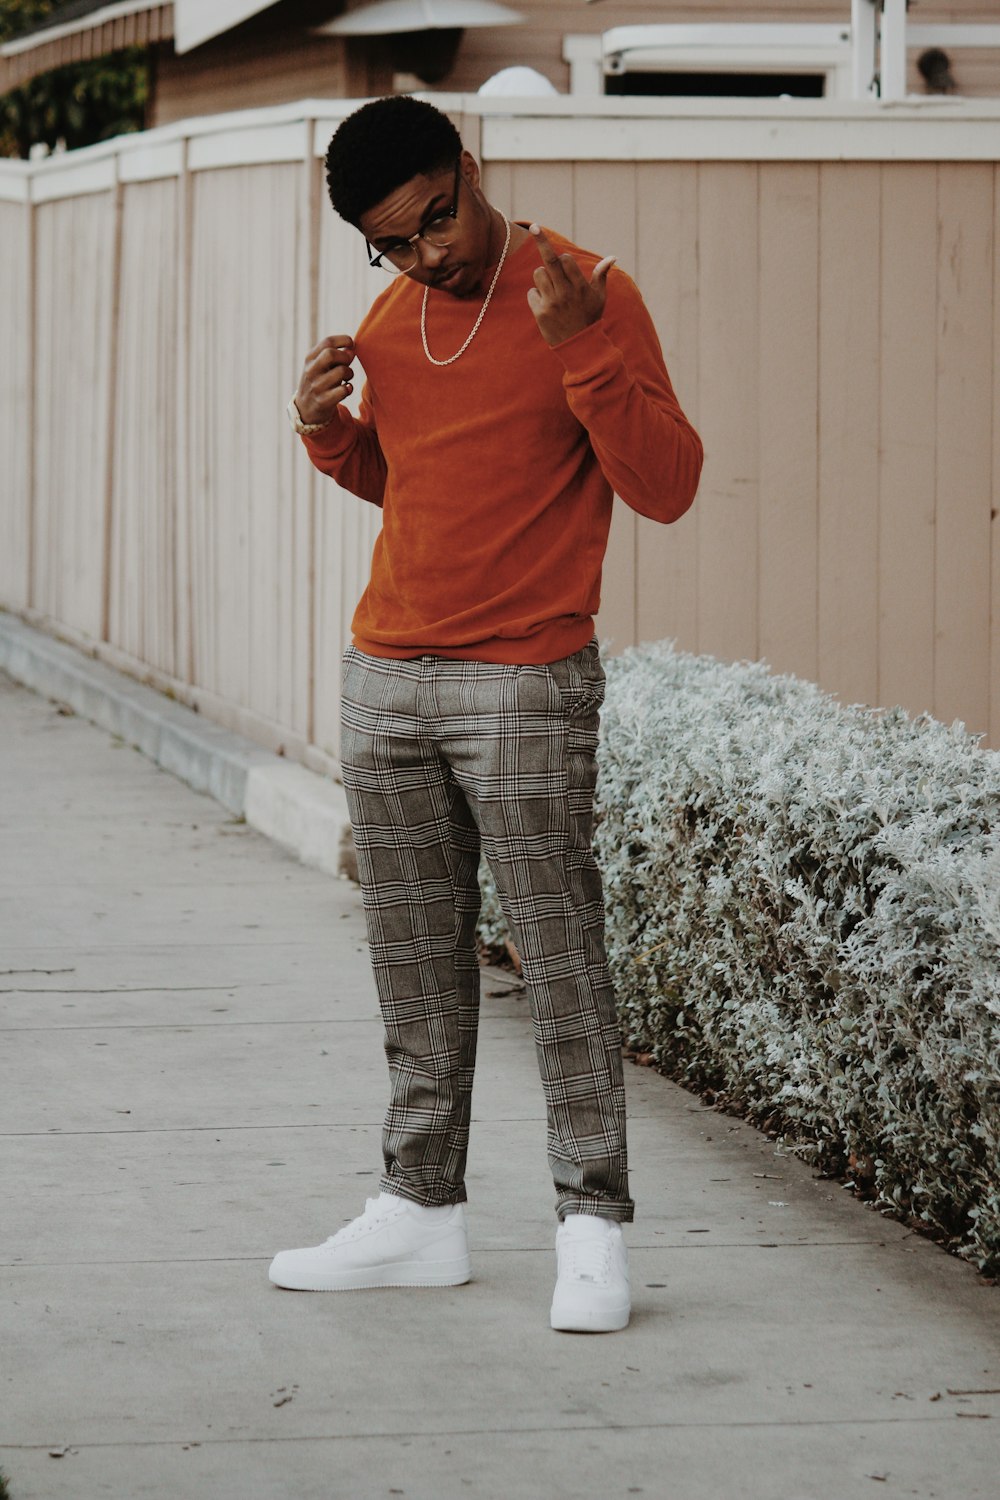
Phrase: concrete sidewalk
(192, 1079)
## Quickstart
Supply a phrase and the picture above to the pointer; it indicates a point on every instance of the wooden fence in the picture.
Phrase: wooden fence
(825, 280)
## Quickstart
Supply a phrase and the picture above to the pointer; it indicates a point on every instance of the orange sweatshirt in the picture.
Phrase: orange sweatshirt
(496, 474)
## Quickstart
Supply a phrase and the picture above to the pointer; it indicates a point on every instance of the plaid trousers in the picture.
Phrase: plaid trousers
(441, 758)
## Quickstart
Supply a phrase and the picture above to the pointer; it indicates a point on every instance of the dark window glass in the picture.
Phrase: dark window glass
(718, 85)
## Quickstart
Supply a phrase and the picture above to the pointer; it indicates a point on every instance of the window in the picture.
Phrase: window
(762, 60)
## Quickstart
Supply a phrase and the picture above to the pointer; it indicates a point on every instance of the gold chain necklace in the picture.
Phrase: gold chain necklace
(482, 310)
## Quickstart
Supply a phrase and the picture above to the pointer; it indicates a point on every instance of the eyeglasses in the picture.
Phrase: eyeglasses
(439, 230)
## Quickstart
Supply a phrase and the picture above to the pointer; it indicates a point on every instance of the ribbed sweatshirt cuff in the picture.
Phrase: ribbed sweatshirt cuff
(587, 355)
(333, 440)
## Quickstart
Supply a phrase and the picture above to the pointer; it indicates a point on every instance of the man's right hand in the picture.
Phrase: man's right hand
(326, 378)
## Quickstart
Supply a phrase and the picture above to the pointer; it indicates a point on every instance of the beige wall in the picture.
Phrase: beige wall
(831, 325)
(830, 329)
(250, 70)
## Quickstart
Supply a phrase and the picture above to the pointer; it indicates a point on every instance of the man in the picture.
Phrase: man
(514, 382)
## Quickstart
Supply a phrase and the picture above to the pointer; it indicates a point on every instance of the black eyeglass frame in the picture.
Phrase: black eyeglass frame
(375, 259)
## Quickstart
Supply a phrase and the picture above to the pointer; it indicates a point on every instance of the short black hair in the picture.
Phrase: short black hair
(381, 146)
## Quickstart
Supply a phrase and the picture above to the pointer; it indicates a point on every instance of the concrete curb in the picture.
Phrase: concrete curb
(304, 812)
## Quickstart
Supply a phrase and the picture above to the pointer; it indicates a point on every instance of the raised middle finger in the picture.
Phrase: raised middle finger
(549, 257)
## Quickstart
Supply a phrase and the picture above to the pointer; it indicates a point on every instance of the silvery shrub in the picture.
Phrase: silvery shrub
(804, 918)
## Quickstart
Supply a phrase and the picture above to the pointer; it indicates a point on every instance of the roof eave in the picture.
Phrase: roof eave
(130, 23)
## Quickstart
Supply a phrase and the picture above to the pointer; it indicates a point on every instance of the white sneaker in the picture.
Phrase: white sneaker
(592, 1289)
(393, 1243)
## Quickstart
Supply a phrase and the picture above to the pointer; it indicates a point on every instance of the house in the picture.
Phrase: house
(211, 56)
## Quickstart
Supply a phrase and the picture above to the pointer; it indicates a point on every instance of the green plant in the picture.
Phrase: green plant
(76, 105)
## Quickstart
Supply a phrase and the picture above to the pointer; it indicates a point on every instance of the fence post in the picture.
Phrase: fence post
(113, 359)
(864, 32)
(307, 318)
(31, 398)
(183, 599)
(892, 50)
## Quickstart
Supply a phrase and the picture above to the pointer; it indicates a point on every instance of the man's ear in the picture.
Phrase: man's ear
(470, 169)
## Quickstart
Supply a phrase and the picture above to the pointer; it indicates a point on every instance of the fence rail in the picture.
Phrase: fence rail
(826, 282)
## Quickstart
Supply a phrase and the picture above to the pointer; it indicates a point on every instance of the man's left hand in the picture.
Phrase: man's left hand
(563, 301)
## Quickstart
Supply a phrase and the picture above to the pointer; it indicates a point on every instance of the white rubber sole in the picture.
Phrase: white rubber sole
(403, 1273)
(590, 1320)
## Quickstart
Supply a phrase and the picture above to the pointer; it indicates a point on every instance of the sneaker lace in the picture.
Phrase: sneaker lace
(589, 1260)
(375, 1213)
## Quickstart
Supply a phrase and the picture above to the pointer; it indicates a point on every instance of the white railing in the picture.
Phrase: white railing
(896, 35)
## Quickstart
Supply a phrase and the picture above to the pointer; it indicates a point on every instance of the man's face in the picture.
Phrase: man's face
(458, 267)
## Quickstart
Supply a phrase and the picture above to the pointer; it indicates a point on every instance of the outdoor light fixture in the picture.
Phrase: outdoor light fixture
(426, 33)
(386, 17)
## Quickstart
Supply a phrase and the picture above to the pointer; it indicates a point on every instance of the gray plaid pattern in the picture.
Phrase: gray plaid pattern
(439, 757)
